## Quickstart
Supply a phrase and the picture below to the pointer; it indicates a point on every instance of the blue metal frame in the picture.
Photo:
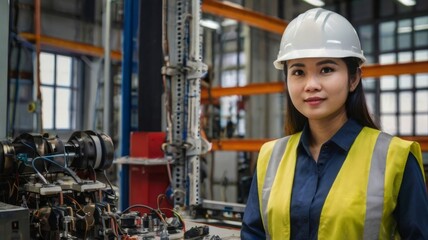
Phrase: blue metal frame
(129, 68)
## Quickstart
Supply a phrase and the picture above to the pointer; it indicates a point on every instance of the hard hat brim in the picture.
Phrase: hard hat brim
(316, 53)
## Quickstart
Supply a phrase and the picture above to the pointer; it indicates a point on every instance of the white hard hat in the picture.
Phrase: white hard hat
(319, 33)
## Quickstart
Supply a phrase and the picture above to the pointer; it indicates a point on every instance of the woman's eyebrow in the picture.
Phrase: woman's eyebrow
(297, 65)
(322, 62)
(328, 61)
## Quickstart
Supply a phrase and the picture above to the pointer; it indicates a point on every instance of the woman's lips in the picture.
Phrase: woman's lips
(313, 101)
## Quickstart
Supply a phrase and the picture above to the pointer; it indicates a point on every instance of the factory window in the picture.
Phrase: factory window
(387, 38)
(393, 33)
(232, 111)
(366, 36)
(402, 106)
(231, 61)
(58, 91)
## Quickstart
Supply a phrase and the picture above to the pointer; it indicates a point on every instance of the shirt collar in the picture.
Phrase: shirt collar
(342, 138)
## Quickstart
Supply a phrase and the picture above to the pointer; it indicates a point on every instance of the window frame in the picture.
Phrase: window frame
(56, 87)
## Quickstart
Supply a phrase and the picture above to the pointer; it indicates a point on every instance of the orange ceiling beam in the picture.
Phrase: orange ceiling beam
(278, 87)
(237, 144)
(253, 145)
(71, 46)
(378, 70)
(250, 89)
(244, 15)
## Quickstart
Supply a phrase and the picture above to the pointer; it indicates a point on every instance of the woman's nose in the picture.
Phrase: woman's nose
(312, 83)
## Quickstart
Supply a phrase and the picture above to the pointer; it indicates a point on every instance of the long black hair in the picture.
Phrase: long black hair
(356, 106)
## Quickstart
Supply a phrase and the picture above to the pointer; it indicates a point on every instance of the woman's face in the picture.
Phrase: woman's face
(318, 87)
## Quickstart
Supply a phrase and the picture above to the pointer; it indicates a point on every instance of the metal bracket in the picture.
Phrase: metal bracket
(197, 69)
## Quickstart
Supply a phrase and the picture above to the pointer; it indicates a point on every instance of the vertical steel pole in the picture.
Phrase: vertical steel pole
(125, 120)
(38, 90)
(108, 81)
(4, 38)
(129, 69)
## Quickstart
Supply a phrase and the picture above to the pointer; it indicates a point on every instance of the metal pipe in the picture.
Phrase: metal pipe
(37, 30)
(4, 37)
(108, 81)
(129, 32)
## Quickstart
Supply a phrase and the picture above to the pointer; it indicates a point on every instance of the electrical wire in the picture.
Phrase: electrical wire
(75, 202)
(138, 206)
(119, 229)
(111, 186)
(168, 169)
(31, 147)
(36, 153)
(147, 207)
(46, 158)
(12, 188)
(94, 174)
(178, 216)
(115, 225)
(159, 199)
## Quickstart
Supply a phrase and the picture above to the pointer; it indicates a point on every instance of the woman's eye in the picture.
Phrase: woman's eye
(297, 72)
(327, 70)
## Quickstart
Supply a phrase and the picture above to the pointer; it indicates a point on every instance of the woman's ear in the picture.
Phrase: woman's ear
(355, 80)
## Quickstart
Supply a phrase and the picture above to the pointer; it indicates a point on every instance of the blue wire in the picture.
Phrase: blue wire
(45, 158)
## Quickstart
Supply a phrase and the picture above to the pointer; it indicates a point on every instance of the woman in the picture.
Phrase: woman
(335, 176)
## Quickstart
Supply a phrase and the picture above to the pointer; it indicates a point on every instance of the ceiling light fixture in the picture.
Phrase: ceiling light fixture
(208, 23)
(318, 3)
(408, 3)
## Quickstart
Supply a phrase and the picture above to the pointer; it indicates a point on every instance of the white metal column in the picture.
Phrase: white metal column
(108, 81)
(183, 70)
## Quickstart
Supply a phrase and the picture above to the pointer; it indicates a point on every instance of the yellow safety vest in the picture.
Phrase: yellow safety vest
(362, 198)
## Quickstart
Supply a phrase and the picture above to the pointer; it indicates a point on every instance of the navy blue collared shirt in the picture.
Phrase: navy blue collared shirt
(313, 180)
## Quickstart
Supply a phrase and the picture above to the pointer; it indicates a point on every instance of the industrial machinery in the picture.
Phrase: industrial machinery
(54, 189)
(62, 186)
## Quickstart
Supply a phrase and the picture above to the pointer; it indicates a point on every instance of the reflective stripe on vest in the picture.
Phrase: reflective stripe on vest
(376, 185)
(275, 159)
